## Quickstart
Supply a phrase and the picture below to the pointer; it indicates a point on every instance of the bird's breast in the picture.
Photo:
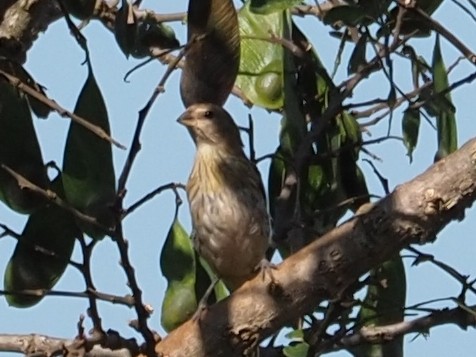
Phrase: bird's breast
(230, 220)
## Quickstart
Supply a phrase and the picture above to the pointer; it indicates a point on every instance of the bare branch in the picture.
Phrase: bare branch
(17, 83)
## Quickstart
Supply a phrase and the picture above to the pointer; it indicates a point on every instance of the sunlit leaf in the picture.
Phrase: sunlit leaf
(178, 264)
(260, 76)
(445, 119)
(296, 350)
(265, 7)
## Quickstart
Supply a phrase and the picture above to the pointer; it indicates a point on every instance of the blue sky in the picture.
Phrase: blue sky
(167, 154)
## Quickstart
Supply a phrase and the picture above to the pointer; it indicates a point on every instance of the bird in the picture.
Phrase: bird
(230, 221)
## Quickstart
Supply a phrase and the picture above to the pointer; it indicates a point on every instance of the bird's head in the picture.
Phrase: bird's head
(212, 125)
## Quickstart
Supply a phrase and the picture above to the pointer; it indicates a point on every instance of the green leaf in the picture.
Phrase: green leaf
(357, 59)
(445, 119)
(265, 7)
(40, 109)
(153, 34)
(19, 150)
(260, 77)
(384, 305)
(411, 23)
(82, 9)
(296, 350)
(204, 277)
(410, 129)
(88, 173)
(125, 28)
(178, 264)
(213, 59)
(42, 252)
(349, 15)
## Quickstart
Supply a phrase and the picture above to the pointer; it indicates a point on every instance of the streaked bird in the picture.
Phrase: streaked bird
(230, 222)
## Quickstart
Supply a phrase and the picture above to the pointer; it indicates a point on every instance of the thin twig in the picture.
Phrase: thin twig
(170, 186)
(53, 197)
(114, 299)
(136, 146)
(435, 25)
(16, 82)
(88, 280)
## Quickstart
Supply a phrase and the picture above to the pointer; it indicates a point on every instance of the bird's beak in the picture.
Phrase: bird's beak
(185, 119)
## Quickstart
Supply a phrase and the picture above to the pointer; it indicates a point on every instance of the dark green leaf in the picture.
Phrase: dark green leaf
(42, 252)
(40, 109)
(275, 179)
(346, 15)
(384, 305)
(204, 277)
(445, 119)
(261, 68)
(357, 58)
(88, 173)
(178, 264)
(410, 130)
(153, 34)
(212, 61)
(82, 9)
(125, 28)
(19, 150)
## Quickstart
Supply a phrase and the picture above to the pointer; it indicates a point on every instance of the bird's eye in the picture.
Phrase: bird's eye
(208, 114)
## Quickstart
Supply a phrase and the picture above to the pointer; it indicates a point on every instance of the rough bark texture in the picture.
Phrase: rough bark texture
(414, 213)
(20, 23)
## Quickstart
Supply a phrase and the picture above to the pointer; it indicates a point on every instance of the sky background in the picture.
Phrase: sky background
(167, 154)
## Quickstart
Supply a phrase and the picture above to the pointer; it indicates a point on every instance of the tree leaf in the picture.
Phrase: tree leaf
(178, 265)
(348, 15)
(384, 305)
(296, 350)
(212, 61)
(260, 77)
(88, 172)
(125, 28)
(82, 9)
(19, 150)
(40, 109)
(265, 7)
(357, 58)
(410, 130)
(445, 119)
(151, 33)
(42, 252)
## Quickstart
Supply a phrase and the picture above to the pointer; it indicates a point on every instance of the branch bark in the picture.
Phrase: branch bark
(413, 213)
(21, 21)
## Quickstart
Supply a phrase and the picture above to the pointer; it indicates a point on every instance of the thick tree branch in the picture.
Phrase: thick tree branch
(413, 213)
(110, 345)
(381, 334)
(20, 24)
